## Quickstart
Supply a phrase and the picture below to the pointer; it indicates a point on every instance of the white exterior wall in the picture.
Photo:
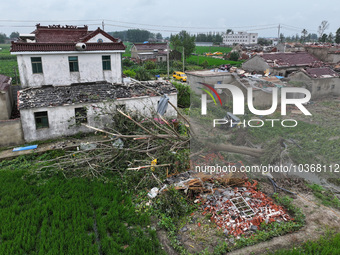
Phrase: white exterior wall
(99, 36)
(62, 117)
(240, 37)
(56, 68)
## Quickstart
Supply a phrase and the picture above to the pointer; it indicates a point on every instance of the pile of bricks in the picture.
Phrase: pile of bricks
(240, 210)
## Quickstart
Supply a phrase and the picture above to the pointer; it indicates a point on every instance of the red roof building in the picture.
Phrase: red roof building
(62, 55)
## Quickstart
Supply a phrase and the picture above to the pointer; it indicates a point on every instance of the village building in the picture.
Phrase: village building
(281, 64)
(52, 111)
(240, 38)
(326, 53)
(6, 102)
(320, 81)
(10, 129)
(72, 76)
(261, 87)
(58, 55)
(149, 51)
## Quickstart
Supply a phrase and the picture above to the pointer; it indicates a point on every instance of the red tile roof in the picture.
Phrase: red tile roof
(151, 46)
(94, 33)
(59, 34)
(323, 72)
(24, 46)
(4, 82)
(291, 59)
(64, 38)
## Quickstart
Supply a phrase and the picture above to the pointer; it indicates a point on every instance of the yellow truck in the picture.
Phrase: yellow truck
(179, 76)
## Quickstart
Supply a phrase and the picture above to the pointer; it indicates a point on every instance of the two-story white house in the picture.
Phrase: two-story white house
(68, 74)
(58, 55)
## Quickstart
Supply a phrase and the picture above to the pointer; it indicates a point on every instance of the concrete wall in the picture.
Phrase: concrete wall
(193, 79)
(56, 69)
(257, 64)
(325, 54)
(62, 122)
(11, 133)
(318, 86)
(260, 98)
(99, 36)
(5, 104)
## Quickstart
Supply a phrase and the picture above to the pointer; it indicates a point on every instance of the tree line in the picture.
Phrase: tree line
(136, 35)
(3, 36)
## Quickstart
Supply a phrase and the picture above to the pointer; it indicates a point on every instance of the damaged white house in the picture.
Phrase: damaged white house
(69, 74)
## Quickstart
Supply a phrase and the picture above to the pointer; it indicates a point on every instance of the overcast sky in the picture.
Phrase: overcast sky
(167, 17)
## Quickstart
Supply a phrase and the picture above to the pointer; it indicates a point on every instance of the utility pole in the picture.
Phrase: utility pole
(183, 59)
(103, 25)
(167, 58)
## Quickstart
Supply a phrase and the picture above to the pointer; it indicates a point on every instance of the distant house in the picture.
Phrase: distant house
(5, 97)
(281, 64)
(261, 88)
(327, 53)
(61, 55)
(320, 81)
(240, 38)
(10, 129)
(149, 51)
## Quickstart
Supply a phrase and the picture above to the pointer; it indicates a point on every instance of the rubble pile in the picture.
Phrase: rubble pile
(241, 210)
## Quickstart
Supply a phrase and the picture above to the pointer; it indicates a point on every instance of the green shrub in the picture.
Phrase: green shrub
(130, 73)
(148, 65)
(172, 203)
(234, 56)
(183, 96)
(177, 65)
(142, 74)
(205, 64)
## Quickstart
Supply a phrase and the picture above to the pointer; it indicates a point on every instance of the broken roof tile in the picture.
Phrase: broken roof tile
(50, 96)
(290, 59)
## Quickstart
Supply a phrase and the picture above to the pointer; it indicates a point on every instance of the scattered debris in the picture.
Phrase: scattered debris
(241, 210)
(153, 192)
(30, 147)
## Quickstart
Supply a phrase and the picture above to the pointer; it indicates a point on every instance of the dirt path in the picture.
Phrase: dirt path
(319, 219)
(68, 143)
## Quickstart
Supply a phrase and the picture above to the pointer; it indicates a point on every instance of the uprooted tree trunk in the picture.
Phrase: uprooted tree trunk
(144, 140)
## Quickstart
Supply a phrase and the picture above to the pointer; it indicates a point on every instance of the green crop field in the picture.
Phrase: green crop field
(211, 61)
(203, 49)
(8, 62)
(69, 216)
(5, 50)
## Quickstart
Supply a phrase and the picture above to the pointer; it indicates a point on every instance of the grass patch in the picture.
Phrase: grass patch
(203, 49)
(313, 140)
(211, 61)
(326, 197)
(329, 244)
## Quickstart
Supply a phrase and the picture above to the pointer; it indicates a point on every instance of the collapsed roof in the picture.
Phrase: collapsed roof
(322, 72)
(287, 59)
(150, 46)
(51, 96)
(65, 38)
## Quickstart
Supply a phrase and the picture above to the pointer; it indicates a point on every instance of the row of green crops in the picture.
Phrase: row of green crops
(74, 216)
(203, 49)
(211, 61)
